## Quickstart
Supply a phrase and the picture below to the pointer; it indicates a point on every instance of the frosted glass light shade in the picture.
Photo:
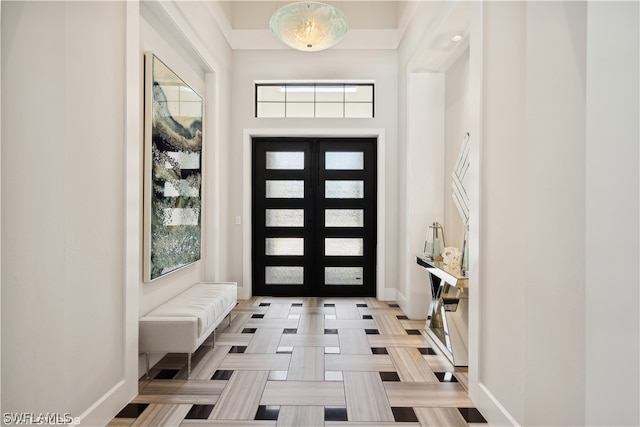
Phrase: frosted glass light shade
(309, 26)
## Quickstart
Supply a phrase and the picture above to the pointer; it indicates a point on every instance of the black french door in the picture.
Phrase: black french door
(314, 216)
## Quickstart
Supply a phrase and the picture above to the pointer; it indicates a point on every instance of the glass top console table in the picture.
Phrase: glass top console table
(447, 320)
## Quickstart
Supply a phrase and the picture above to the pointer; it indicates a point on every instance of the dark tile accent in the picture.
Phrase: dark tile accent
(427, 350)
(330, 331)
(199, 412)
(249, 330)
(389, 376)
(257, 316)
(290, 331)
(362, 305)
(132, 410)
(166, 374)
(221, 375)
(472, 415)
(402, 317)
(372, 332)
(267, 413)
(296, 304)
(367, 317)
(446, 377)
(335, 413)
(238, 349)
(413, 331)
(329, 305)
(404, 414)
(379, 350)
(394, 305)
(264, 304)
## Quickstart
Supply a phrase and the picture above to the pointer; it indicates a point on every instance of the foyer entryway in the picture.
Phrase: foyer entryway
(314, 216)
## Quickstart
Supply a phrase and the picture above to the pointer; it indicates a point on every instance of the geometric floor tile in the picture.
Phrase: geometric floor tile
(293, 362)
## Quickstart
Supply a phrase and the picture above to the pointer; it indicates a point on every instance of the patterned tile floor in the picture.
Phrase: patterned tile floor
(305, 362)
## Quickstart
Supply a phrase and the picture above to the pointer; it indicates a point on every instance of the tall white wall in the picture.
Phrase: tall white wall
(612, 320)
(423, 177)
(559, 132)
(68, 335)
(249, 66)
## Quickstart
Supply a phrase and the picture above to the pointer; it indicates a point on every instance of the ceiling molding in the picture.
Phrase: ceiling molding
(355, 39)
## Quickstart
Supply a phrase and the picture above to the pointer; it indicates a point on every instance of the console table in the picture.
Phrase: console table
(447, 320)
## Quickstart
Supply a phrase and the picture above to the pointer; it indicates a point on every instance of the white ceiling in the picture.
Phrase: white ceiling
(373, 24)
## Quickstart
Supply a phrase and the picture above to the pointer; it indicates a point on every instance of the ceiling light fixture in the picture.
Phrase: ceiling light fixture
(309, 26)
(456, 38)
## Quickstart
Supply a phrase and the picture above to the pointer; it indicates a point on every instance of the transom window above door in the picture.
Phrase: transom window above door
(314, 100)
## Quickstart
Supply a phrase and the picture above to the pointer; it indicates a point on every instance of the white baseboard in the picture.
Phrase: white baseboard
(490, 407)
(103, 409)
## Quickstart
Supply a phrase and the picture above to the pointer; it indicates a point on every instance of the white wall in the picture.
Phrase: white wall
(546, 313)
(158, 35)
(68, 336)
(249, 66)
(72, 173)
(423, 178)
(612, 190)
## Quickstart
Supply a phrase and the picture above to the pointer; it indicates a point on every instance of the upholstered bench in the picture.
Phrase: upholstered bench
(183, 323)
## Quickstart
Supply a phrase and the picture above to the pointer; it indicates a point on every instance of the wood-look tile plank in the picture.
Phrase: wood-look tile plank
(256, 362)
(389, 324)
(307, 364)
(121, 422)
(313, 310)
(310, 340)
(162, 415)
(311, 324)
(438, 363)
(306, 393)
(347, 311)
(353, 341)
(264, 341)
(350, 324)
(352, 362)
(411, 366)
(227, 423)
(297, 416)
(248, 302)
(427, 395)
(181, 391)
(272, 323)
(463, 377)
(449, 417)
(238, 323)
(382, 310)
(398, 341)
(233, 339)
(366, 399)
(205, 367)
(374, 302)
(278, 310)
(241, 396)
(369, 424)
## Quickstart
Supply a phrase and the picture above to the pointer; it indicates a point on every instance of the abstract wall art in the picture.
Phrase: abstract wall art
(173, 171)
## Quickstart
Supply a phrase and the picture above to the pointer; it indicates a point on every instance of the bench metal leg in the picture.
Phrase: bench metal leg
(147, 359)
(188, 366)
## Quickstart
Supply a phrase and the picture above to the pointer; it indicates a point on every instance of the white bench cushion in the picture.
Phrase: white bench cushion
(203, 301)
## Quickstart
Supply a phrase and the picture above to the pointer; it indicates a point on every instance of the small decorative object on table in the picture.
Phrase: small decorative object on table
(437, 242)
(451, 257)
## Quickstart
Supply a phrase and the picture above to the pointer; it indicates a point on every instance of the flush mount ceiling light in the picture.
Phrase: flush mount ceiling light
(309, 26)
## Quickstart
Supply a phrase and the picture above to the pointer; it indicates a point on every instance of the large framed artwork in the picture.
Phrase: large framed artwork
(173, 171)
